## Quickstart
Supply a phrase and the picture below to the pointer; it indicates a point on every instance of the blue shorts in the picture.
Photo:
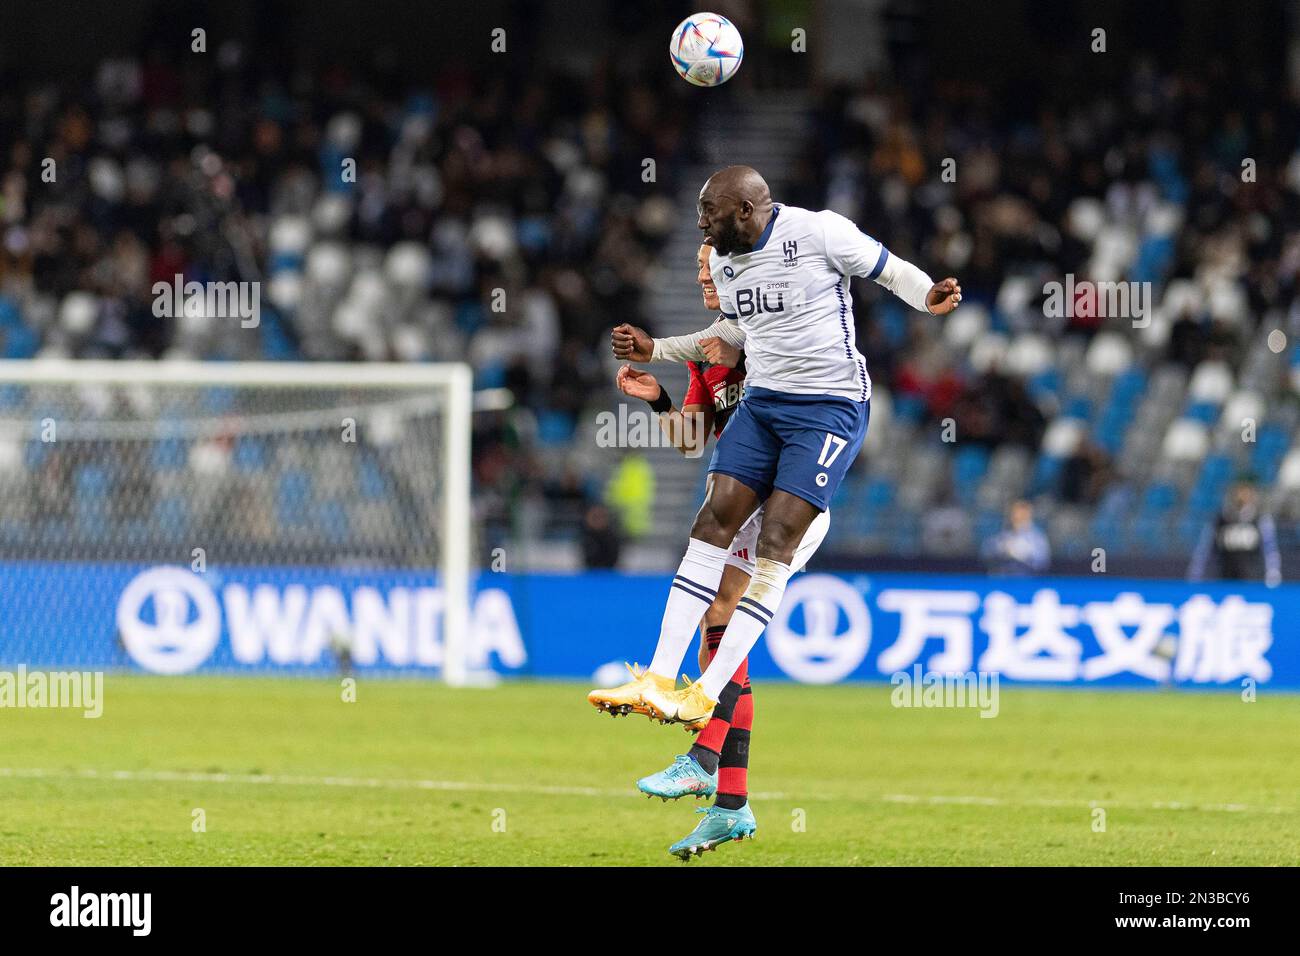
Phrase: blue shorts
(801, 444)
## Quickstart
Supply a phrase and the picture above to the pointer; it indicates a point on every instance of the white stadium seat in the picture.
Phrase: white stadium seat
(1017, 292)
(988, 351)
(1186, 440)
(1211, 382)
(1086, 218)
(290, 234)
(964, 326)
(1163, 219)
(331, 213)
(1228, 302)
(77, 313)
(1029, 354)
(1182, 295)
(1242, 406)
(1109, 353)
(285, 290)
(328, 264)
(344, 131)
(1063, 436)
(1288, 476)
(407, 265)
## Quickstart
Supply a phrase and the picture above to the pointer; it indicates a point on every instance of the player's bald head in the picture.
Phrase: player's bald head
(735, 204)
(741, 183)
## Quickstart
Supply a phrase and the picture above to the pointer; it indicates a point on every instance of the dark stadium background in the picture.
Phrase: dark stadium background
(981, 83)
(326, 688)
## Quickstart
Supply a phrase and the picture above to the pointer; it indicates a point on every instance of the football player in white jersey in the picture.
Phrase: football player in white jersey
(782, 275)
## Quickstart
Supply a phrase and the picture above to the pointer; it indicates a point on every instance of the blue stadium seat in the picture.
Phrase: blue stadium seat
(1207, 412)
(988, 522)
(1158, 499)
(1078, 406)
(969, 466)
(332, 518)
(285, 261)
(1046, 383)
(91, 506)
(1207, 492)
(1149, 533)
(1047, 471)
(21, 343)
(169, 454)
(171, 513)
(534, 233)
(1154, 256)
(371, 480)
(217, 399)
(293, 497)
(1187, 529)
(249, 454)
(879, 493)
(469, 316)
(1270, 448)
(12, 396)
(909, 408)
(555, 427)
(10, 317)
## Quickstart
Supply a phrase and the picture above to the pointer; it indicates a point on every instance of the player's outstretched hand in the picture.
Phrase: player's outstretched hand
(719, 352)
(636, 383)
(944, 296)
(631, 344)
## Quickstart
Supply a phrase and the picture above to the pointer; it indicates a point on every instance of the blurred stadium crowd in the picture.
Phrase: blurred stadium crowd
(495, 223)
(1126, 430)
(506, 222)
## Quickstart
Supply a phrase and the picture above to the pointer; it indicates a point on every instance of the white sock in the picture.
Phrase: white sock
(759, 602)
(693, 590)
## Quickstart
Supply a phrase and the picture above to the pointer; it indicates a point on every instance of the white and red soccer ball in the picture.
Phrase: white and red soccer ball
(706, 49)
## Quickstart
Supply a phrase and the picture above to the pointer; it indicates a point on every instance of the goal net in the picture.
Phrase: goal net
(182, 516)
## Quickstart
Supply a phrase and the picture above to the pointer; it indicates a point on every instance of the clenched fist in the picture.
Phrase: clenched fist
(631, 344)
(943, 297)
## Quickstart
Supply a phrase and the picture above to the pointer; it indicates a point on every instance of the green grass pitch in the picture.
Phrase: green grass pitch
(413, 773)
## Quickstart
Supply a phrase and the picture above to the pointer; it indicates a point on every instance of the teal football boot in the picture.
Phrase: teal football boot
(717, 827)
(684, 778)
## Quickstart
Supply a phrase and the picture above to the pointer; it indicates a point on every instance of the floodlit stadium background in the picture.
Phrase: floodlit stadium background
(1171, 158)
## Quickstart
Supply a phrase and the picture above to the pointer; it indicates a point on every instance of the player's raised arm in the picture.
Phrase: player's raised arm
(632, 344)
(687, 429)
(693, 348)
(855, 253)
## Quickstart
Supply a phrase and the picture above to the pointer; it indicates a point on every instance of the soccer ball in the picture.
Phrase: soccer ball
(706, 49)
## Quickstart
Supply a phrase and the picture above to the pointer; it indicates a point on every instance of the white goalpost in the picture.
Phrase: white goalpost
(320, 465)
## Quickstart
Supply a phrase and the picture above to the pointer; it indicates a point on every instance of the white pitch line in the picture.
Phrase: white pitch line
(391, 783)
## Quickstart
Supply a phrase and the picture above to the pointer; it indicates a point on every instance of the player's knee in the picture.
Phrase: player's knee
(706, 527)
(777, 538)
(713, 526)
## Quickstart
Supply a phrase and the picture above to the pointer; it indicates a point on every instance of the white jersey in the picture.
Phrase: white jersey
(790, 295)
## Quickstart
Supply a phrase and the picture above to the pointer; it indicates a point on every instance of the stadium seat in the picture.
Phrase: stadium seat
(1029, 355)
(1063, 436)
(293, 498)
(1288, 476)
(1108, 354)
(1186, 440)
(78, 312)
(1211, 382)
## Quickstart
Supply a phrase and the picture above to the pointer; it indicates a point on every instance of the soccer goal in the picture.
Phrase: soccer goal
(274, 481)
